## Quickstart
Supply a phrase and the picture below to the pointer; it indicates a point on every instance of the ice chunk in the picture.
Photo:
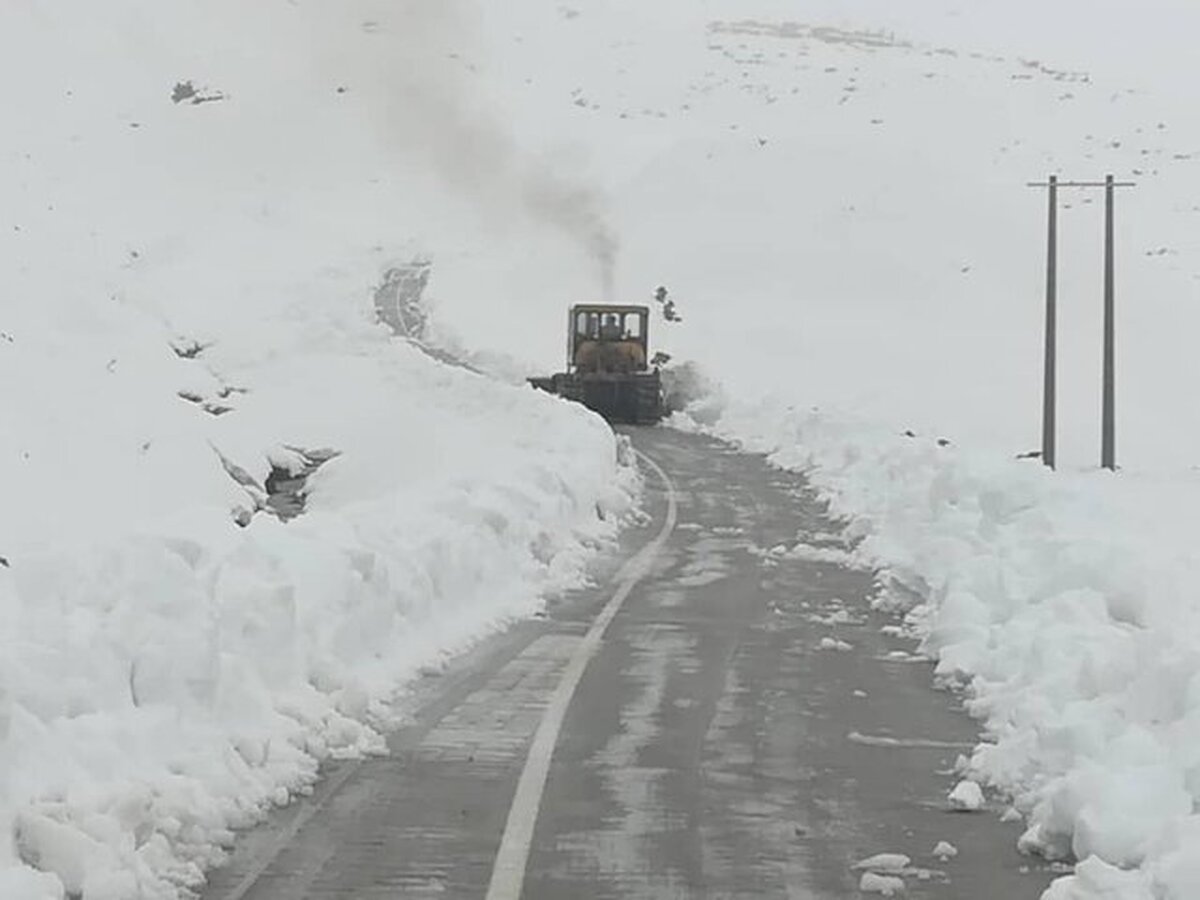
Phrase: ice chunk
(832, 555)
(887, 885)
(1095, 879)
(835, 644)
(884, 862)
(945, 850)
(967, 796)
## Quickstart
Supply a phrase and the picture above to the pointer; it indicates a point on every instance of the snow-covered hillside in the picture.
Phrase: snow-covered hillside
(197, 205)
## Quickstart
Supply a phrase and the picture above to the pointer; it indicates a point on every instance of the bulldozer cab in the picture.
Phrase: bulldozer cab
(607, 369)
(608, 339)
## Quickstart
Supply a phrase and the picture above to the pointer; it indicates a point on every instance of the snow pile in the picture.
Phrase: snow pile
(830, 643)
(967, 796)
(885, 862)
(167, 680)
(1064, 603)
(887, 885)
(945, 851)
(832, 555)
(881, 873)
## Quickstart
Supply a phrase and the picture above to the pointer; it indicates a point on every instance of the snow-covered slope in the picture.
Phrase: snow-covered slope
(196, 208)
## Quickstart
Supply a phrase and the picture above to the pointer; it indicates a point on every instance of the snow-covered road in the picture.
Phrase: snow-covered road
(748, 727)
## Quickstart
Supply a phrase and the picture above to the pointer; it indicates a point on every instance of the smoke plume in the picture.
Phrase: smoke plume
(435, 108)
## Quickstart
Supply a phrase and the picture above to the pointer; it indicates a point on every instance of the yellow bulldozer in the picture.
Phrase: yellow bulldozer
(608, 365)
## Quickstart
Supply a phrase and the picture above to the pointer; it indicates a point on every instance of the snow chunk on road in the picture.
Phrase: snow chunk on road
(839, 616)
(829, 643)
(945, 850)
(887, 885)
(832, 555)
(884, 862)
(967, 796)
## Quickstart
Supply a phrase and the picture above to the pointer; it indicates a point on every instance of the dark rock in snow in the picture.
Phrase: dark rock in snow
(186, 92)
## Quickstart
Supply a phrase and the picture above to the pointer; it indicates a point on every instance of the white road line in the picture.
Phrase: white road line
(508, 873)
(872, 740)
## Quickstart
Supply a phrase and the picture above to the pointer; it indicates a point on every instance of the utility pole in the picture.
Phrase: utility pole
(1050, 363)
(1108, 427)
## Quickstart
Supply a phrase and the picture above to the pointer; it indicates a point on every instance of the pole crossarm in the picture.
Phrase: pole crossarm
(1080, 184)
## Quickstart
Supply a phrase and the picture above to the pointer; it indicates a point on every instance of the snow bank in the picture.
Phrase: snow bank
(1064, 604)
(164, 683)
(166, 675)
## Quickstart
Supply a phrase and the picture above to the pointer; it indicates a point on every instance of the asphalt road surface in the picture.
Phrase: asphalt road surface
(677, 731)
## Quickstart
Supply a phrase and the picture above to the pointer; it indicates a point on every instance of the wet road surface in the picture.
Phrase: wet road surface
(713, 748)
